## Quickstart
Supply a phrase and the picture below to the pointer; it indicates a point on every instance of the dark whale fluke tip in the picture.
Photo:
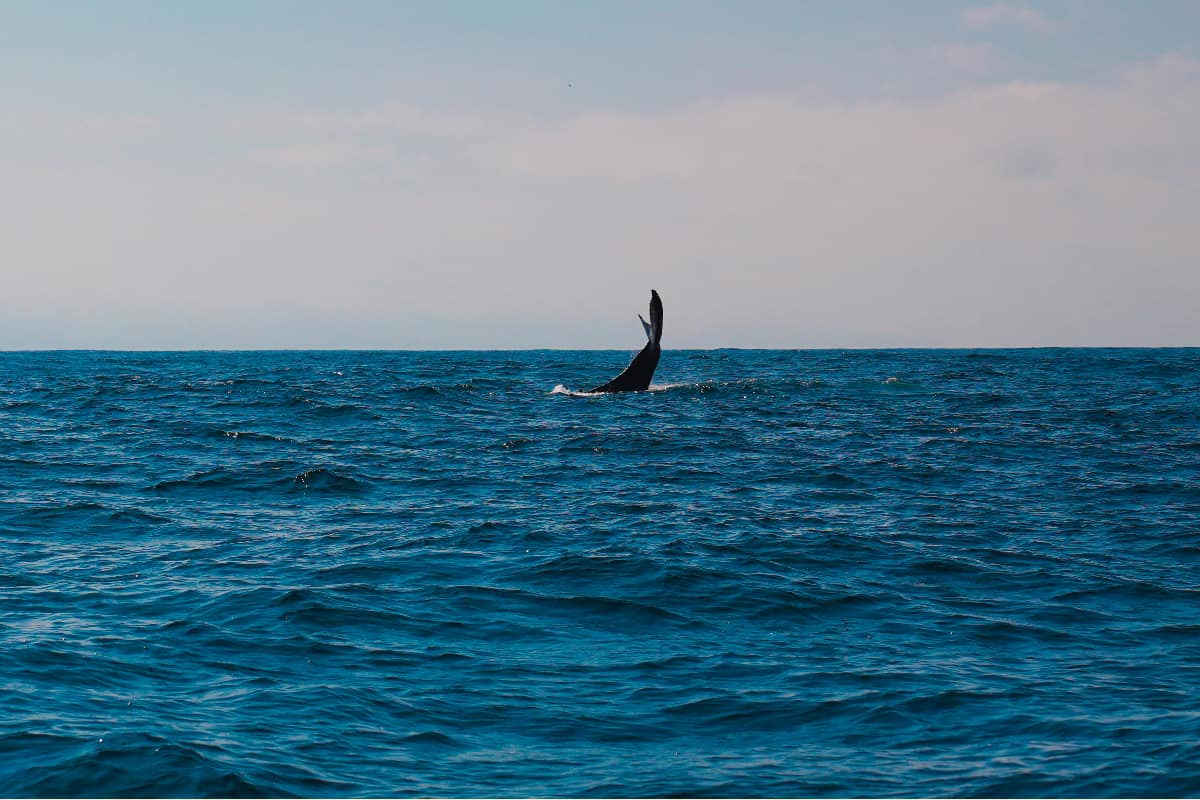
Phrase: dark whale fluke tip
(637, 375)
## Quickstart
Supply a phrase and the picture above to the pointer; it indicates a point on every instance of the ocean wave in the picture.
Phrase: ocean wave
(277, 476)
(131, 765)
(252, 436)
(322, 480)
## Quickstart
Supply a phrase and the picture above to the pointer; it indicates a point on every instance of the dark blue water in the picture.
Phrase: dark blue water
(785, 573)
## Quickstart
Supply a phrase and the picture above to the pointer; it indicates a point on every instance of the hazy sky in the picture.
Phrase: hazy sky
(519, 174)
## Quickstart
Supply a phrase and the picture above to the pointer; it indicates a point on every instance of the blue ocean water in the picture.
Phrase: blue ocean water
(970, 573)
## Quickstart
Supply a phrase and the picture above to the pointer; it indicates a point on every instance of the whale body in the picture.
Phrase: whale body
(637, 375)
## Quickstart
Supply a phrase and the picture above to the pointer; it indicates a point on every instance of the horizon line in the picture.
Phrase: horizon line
(4, 351)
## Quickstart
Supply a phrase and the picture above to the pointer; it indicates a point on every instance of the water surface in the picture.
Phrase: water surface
(781, 573)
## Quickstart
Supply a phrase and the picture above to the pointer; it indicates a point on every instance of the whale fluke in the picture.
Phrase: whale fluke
(637, 375)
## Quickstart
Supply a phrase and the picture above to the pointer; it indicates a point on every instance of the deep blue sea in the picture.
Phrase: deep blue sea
(827, 573)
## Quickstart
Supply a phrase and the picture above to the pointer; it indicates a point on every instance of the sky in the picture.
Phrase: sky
(484, 175)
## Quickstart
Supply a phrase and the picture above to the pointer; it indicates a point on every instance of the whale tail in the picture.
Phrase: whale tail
(637, 375)
(656, 318)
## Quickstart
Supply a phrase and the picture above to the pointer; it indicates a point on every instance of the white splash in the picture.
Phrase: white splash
(560, 389)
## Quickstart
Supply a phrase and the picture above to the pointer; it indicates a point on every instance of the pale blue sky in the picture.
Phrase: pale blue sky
(387, 174)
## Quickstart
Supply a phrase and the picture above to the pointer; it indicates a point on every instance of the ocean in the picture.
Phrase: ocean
(818, 573)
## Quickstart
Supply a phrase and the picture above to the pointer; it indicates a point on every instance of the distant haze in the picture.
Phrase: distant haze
(508, 175)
